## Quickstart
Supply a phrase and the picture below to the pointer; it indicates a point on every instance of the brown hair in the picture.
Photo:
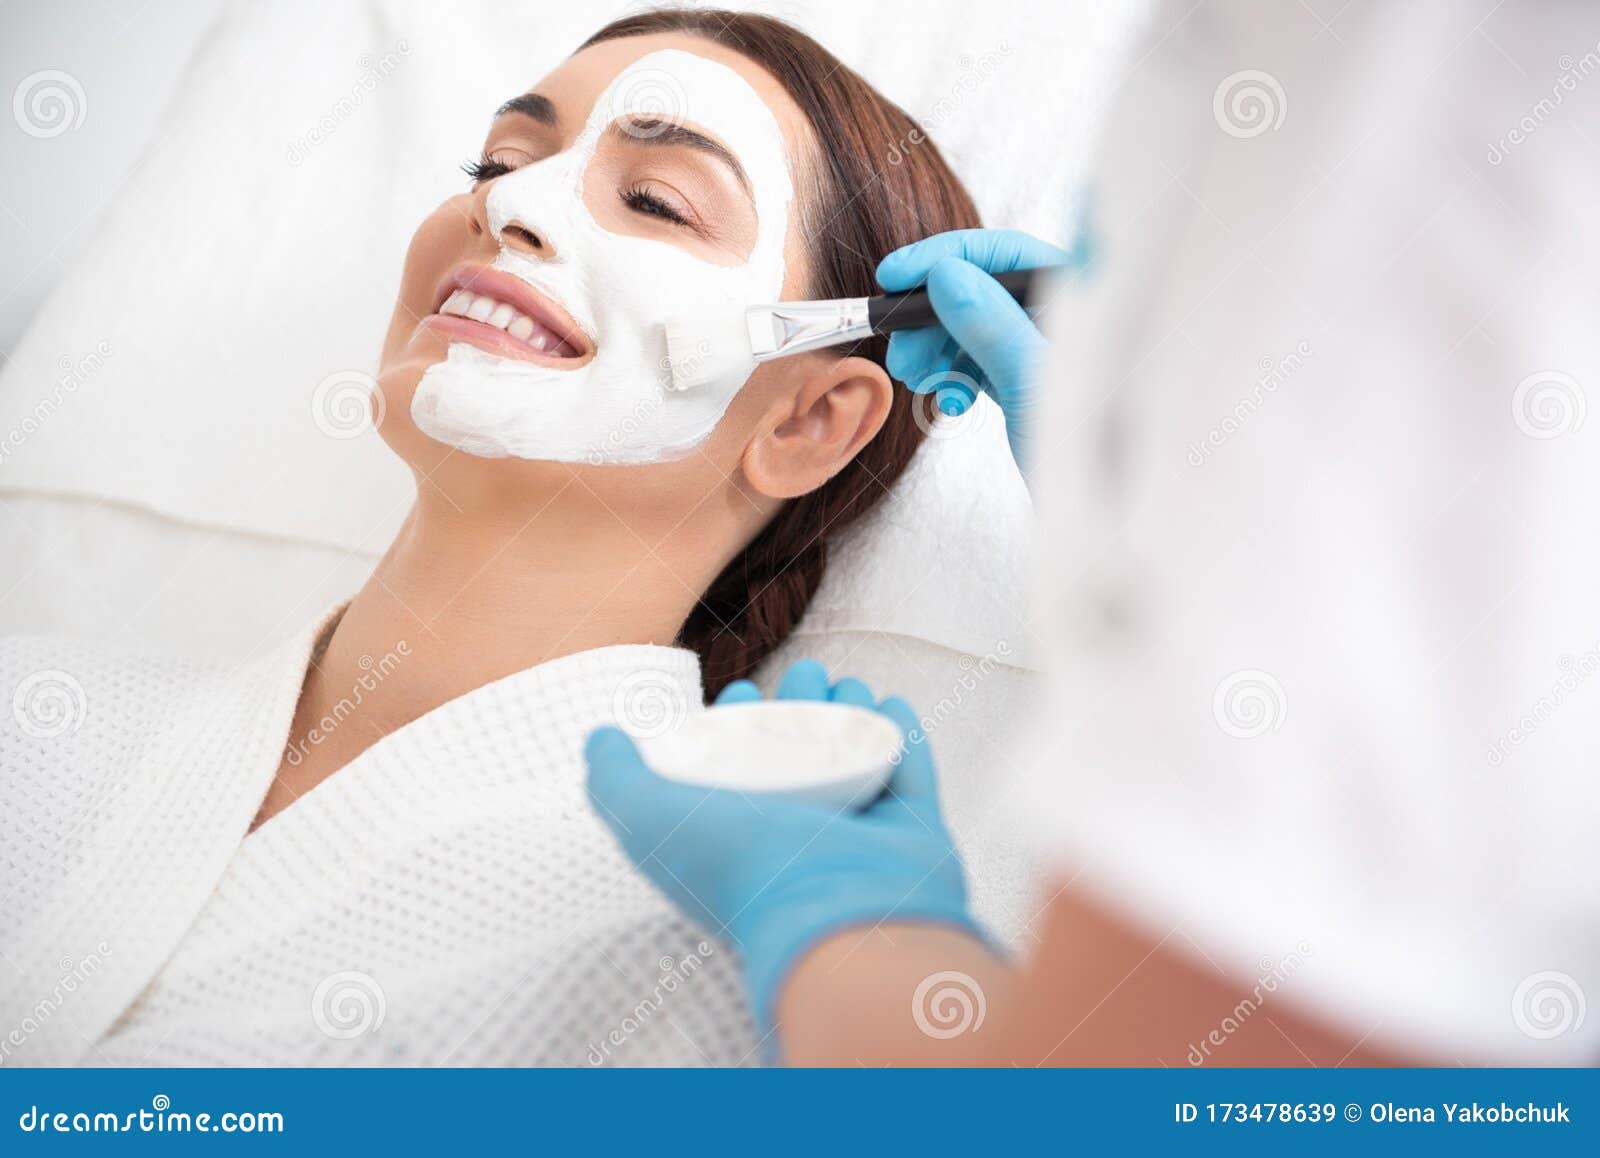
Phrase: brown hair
(878, 183)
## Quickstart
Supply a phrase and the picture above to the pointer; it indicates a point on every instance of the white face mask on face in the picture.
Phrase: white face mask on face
(618, 407)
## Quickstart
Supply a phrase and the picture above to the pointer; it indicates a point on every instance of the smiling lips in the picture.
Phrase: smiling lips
(505, 316)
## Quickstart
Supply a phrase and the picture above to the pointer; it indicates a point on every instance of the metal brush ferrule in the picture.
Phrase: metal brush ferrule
(795, 327)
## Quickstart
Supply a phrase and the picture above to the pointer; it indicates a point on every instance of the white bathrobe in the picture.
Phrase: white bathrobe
(446, 898)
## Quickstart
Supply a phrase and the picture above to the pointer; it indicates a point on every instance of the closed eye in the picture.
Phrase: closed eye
(637, 198)
(640, 200)
(486, 168)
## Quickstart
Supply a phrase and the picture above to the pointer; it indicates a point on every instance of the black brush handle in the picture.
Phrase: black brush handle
(911, 309)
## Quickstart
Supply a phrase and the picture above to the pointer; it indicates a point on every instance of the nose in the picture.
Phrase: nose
(516, 236)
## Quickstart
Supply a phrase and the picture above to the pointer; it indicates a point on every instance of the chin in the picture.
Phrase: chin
(397, 386)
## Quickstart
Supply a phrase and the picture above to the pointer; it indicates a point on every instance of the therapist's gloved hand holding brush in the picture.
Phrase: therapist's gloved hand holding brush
(984, 340)
(957, 316)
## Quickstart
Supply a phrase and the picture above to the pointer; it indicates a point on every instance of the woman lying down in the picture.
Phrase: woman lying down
(373, 845)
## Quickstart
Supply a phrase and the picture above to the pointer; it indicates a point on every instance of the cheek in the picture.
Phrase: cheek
(438, 243)
(796, 260)
(747, 414)
(442, 239)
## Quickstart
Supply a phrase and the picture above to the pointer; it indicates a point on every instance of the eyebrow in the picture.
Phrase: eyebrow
(652, 131)
(530, 104)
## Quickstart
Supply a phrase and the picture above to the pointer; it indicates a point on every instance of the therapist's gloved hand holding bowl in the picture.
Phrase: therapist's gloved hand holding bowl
(776, 873)
(986, 341)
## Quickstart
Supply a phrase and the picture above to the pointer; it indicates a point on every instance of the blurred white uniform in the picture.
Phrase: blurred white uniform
(1322, 513)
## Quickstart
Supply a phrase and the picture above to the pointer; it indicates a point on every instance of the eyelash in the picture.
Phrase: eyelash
(487, 168)
(641, 201)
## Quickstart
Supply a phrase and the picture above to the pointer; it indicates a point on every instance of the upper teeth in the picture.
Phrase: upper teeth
(492, 312)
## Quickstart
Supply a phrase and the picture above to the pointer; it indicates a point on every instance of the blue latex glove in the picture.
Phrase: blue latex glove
(987, 341)
(778, 876)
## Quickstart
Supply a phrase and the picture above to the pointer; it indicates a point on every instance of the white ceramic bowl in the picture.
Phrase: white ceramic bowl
(831, 755)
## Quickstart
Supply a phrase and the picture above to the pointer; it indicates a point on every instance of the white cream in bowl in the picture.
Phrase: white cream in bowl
(832, 755)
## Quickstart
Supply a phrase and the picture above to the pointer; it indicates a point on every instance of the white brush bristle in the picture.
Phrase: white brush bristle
(700, 352)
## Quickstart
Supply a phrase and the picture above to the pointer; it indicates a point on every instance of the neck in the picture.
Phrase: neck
(477, 597)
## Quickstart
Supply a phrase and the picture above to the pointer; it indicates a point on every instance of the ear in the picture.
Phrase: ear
(808, 437)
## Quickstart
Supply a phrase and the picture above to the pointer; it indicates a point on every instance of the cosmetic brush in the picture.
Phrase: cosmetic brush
(699, 352)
